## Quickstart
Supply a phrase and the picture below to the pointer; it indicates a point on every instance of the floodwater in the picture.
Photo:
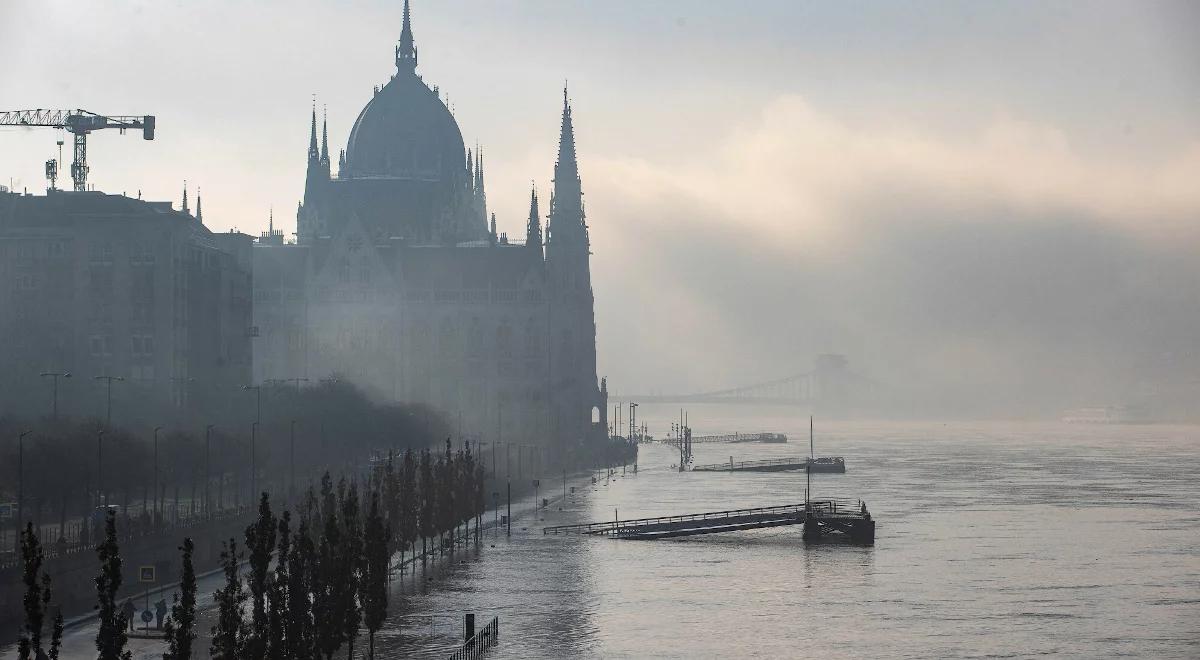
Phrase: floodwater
(993, 540)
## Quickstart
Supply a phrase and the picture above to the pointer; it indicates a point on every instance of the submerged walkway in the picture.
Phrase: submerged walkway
(769, 465)
(847, 517)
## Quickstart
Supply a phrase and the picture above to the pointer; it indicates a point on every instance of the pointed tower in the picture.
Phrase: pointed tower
(533, 230)
(567, 230)
(492, 235)
(406, 50)
(315, 182)
(185, 206)
(199, 210)
(575, 393)
(480, 193)
(471, 172)
(325, 141)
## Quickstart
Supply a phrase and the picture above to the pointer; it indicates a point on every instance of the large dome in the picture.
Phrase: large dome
(406, 132)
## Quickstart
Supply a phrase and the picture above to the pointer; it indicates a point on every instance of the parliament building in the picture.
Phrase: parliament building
(398, 282)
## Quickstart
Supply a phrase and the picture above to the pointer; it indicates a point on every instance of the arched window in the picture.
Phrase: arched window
(533, 338)
(475, 338)
(447, 338)
(504, 339)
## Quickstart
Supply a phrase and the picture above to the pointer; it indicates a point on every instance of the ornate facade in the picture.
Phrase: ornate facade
(397, 282)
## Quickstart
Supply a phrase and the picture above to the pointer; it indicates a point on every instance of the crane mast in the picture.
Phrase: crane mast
(79, 123)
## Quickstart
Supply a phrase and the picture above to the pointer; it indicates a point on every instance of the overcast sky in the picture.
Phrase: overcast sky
(974, 197)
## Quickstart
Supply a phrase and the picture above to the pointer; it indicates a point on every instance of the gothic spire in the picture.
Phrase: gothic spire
(325, 136)
(271, 222)
(199, 211)
(566, 142)
(471, 168)
(313, 152)
(492, 236)
(533, 230)
(406, 51)
(479, 171)
(185, 206)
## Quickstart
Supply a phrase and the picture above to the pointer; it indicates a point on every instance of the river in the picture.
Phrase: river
(993, 540)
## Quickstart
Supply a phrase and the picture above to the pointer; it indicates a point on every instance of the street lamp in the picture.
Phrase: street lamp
(109, 380)
(20, 485)
(100, 467)
(207, 472)
(254, 432)
(253, 435)
(156, 513)
(258, 400)
(292, 462)
(56, 375)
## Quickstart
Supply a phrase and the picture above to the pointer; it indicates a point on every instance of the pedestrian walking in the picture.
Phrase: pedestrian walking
(129, 610)
(160, 611)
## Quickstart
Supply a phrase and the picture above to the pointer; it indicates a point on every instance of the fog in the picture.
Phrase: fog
(1003, 273)
(989, 210)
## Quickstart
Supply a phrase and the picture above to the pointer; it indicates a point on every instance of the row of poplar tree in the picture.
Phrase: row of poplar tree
(330, 573)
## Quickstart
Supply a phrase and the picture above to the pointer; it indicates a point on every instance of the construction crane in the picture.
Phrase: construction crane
(79, 123)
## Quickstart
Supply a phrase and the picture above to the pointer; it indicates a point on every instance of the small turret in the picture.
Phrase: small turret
(185, 203)
(325, 137)
(533, 230)
(199, 211)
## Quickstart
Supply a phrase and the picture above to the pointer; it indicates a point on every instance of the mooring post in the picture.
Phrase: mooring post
(508, 522)
(468, 626)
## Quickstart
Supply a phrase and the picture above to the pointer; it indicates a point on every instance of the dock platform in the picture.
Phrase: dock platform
(821, 519)
(769, 465)
(819, 465)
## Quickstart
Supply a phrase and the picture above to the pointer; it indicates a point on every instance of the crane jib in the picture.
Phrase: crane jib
(80, 123)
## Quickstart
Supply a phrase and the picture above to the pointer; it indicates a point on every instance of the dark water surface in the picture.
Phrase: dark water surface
(993, 540)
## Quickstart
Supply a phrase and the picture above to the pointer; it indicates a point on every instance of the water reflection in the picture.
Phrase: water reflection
(992, 539)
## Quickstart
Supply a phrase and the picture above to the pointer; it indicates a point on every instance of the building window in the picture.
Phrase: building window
(140, 254)
(142, 345)
(504, 340)
(475, 339)
(101, 252)
(533, 338)
(101, 345)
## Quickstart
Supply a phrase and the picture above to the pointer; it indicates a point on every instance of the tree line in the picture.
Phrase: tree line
(331, 564)
(66, 463)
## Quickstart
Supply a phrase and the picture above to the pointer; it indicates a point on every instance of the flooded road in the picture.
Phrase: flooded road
(1008, 540)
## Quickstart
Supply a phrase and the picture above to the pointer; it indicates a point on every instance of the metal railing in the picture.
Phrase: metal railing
(480, 642)
(731, 437)
(745, 465)
(617, 525)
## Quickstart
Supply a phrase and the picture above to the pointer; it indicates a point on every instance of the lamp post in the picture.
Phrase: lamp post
(254, 432)
(100, 467)
(258, 400)
(292, 463)
(55, 375)
(109, 380)
(253, 436)
(20, 486)
(156, 430)
(207, 474)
